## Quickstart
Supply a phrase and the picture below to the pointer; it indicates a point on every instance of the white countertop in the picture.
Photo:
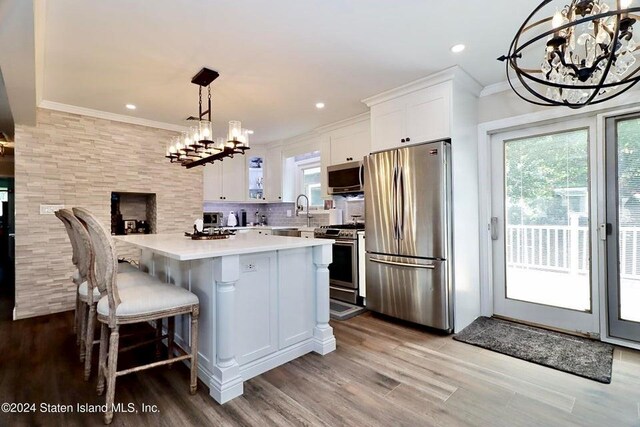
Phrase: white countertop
(272, 227)
(181, 248)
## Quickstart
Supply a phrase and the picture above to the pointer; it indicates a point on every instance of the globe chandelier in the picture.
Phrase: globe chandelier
(583, 54)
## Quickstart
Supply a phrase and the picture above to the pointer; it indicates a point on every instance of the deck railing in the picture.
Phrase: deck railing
(566, 248)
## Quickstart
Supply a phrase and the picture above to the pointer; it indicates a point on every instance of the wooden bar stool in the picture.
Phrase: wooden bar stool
(86, 300)
(77, 277)
(144, 302)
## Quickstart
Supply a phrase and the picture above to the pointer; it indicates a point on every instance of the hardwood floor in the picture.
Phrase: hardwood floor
(383, 373)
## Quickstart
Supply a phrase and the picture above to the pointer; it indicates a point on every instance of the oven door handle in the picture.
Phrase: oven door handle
(351, 291)
(402, 264)
(344, 243)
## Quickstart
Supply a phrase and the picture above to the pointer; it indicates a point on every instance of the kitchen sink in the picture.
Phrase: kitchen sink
(287, 232)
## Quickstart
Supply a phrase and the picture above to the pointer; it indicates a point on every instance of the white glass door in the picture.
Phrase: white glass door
(623, 226)
(542, 226)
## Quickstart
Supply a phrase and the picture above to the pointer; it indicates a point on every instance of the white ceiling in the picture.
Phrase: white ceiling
(276, 58)
(17, 64)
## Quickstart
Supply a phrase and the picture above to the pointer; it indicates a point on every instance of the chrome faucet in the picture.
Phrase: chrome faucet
(300, 208)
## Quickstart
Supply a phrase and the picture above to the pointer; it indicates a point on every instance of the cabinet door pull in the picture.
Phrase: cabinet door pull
(408, 139)
(402, 140)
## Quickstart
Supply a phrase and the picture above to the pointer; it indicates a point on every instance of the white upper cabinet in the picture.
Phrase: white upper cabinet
(418, 116)
(226, 180)
(273, 174)
(234, 179)
(428, 114)
(212, 181)
(388, 124)
(351, 143)
(256, 169)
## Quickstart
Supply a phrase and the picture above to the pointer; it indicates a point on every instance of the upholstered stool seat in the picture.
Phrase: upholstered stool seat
(148, 297)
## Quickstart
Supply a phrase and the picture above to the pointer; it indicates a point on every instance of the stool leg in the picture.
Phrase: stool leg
(102, 362)
(111, 373)
(171, 321)
(88, 341)
(194, 351)
(76, 319)
(83, 327)
(158, 335)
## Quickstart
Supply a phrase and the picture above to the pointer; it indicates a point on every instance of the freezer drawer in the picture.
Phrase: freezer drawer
(410, 289)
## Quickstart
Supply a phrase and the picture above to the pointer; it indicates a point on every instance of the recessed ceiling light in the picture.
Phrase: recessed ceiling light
(130, 107)
(458, 48)
(320, 105)
(250, 132)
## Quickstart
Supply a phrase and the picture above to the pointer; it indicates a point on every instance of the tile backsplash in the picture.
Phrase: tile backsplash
(276, 213)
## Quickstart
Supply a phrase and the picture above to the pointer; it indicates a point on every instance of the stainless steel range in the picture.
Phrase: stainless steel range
(346, 272)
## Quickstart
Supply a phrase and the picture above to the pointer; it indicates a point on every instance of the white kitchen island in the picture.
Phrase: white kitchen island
(264, 300)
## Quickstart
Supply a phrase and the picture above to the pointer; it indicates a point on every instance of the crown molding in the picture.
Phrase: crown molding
(317, 132)
(502, 86)
(343, 123)
(66, 108)
(455, 73)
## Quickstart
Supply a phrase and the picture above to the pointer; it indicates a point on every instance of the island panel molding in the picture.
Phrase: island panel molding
(76, 160)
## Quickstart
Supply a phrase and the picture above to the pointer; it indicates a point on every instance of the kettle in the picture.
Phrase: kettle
(232, 221)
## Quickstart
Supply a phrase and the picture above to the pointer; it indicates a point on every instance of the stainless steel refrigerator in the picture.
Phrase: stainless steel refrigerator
(408, 233)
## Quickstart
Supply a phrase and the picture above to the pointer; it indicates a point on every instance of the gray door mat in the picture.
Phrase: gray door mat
(575, 355)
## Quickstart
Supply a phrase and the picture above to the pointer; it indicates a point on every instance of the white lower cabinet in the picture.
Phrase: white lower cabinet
(256, 295)
(296, 298)
(265, 330)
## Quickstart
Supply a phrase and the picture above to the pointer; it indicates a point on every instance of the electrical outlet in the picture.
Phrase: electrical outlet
(249, 268)
(50, 209)
(288, 213)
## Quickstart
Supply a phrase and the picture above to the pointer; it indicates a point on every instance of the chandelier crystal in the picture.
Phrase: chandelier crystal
(588, 53)
(198, 146)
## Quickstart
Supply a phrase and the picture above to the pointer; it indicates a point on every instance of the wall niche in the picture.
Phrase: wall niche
(133, 213)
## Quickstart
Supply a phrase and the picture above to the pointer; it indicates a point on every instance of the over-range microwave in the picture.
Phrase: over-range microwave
(346, 178)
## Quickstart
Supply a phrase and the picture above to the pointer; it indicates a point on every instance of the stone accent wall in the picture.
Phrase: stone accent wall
(78, 161)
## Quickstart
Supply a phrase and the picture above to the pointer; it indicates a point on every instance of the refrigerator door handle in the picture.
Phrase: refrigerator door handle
(401, 264)
(395, 203)
(401, 213)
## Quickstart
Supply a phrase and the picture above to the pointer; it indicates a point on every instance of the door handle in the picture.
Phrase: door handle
(494, 228)
(401, 213)
(605, 230)
(401, 264)
(342, 290)
(395, 203)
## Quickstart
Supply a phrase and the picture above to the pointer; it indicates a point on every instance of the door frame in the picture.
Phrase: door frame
(630, 104)
(558, 317)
